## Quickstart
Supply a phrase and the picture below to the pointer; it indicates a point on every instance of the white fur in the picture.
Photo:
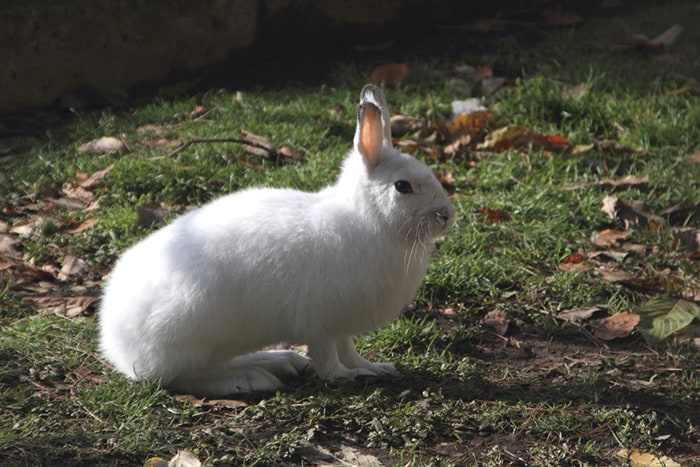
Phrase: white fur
(193, 303)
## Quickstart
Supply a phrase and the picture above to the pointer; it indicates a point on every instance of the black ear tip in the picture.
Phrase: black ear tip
(370, 92)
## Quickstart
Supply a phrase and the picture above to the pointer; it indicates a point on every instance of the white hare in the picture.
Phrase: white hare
(193, 304)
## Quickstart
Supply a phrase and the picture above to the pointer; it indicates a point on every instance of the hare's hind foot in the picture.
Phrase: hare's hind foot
(255, 372)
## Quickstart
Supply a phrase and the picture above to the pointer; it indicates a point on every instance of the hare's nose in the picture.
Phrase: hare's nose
(444, 214)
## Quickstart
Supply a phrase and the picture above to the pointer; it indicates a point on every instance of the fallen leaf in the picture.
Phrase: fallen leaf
(401, 124)
(472, 124)
(663, 317)
(76, 192)
(72, 266)
(204, 402)
(155, 462)
(581, 148)
(660, 283)
(161, 142)
(70, 307)
(198, 111)
(616, 326)
(668, 37)
(91, 181)
(632, 213)
(446, 180)
(82, 227)
(149, 128)
(497, 320)
(550, 141)
(573, 263)
(574, 258)
(693, 158)
(503, 138)
(573, 315)
(618, 256)
(516, 136)
(106, 144)
(629, 180)
(638, 458)
(184, 459)
(389, 74)
(260, 146)
(8, 246)
(495, 215)
(616, 276)
(659, 44)
(228, 403)
(609, 237)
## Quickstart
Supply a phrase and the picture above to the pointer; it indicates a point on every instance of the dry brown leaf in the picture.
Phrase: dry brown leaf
(401, 124)
(288, 152)
(618, 256)
(260, 146)
(72, 266)
(660, 283)
(69, 307)
(573, 315)
(616, 276)
(609, 237)
(149, 128)
(389, 74)
(161, 142)
(573, 263)
(495, 215)
(106, 144)
(204, 402)
(8, 246)
(637, 458)
(472, 124)
(446, 179)
(184, 459)
(497, 320)
(642, 43)
(82, 227)
(90, 181)
(693, 158)
(516, 136)
(198, 111)
(631, 213)
(616, 326)
(76, 192)
(629, 180)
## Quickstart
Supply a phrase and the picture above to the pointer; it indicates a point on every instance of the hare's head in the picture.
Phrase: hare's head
(395, 189)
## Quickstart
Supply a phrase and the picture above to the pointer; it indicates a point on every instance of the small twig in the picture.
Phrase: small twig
(244, 142)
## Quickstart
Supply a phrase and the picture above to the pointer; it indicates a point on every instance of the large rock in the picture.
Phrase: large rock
(49, 48)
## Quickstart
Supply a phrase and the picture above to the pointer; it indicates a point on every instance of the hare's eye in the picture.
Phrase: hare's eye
(402, 186)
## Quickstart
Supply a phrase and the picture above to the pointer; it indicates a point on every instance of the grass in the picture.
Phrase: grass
(546, 393)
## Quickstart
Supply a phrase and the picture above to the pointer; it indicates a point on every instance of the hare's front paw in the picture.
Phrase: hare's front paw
(382, 369)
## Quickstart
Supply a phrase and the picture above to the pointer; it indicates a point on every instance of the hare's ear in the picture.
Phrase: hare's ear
(373, 125)
(369, 137)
